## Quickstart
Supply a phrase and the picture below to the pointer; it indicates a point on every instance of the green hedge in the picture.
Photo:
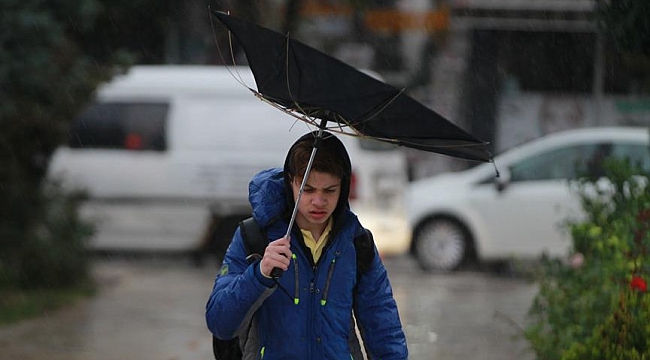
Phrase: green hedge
(52, 253)
(595, 305)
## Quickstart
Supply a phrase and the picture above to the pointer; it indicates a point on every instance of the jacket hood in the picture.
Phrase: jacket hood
(267, 196)
(270, 193)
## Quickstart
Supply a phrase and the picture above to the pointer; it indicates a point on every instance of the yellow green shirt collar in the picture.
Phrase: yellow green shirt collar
(316, 247)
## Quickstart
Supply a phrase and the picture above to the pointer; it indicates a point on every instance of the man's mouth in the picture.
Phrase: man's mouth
(318, 214)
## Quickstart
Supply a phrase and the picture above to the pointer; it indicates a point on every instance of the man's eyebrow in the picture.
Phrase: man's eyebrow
(326, 187)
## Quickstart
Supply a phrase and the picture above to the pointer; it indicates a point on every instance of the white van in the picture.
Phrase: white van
(166, 154)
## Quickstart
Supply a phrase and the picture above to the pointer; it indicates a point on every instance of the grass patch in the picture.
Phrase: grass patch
(18, 304)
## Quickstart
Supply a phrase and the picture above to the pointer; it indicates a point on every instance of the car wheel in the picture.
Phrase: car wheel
(440, 245)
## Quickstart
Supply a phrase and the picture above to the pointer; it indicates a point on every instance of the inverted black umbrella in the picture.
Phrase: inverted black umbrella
(320, 89)
(303, 80)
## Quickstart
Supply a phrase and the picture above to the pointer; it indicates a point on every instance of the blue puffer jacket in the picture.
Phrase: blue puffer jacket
(307, 314)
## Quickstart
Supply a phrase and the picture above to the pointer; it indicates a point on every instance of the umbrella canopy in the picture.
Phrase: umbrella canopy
(312, 85)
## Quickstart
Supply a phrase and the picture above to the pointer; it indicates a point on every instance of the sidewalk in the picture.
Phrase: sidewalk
(145, 310)
(153, 309)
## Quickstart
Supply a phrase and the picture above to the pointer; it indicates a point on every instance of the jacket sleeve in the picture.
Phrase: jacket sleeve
(238, 291)
(377, 315)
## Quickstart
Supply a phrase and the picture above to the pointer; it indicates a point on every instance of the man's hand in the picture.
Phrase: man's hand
(276, 255)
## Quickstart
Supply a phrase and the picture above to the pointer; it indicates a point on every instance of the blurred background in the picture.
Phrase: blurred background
(508, 71)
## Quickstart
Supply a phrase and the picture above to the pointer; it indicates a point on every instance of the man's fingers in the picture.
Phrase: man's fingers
(283, 241)
(280, 246)
(281, 258)
(277, 255)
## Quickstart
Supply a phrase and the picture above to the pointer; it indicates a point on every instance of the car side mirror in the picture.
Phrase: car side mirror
(502, 182)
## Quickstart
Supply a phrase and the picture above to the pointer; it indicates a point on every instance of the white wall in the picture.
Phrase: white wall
(525, 116)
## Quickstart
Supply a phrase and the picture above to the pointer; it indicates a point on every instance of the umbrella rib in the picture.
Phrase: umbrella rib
(214, 36)
(232, 54)
(286, 66)
(296, 104)
(238, 76)
(444, 146)
(384, 106)
(303, 117)
(302, 114)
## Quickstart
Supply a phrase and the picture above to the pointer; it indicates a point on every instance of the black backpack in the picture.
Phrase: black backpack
(255, 242)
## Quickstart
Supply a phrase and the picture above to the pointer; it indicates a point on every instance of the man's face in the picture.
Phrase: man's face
(318, 201)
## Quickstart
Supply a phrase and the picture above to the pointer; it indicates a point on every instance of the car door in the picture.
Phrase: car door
(528, 215)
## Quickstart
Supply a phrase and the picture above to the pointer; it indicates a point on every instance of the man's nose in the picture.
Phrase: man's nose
(319, 199)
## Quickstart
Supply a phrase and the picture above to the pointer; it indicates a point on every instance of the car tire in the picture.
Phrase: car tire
(440, 245)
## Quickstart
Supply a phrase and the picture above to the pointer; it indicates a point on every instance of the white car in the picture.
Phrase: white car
(473, 214)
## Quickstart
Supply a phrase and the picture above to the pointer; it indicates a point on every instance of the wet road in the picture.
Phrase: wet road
(153, 309)
(464, 315)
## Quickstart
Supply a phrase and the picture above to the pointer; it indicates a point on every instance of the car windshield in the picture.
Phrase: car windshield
(577, 160)
(563, 163)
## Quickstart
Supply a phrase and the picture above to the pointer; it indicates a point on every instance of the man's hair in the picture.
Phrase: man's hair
(327, 160)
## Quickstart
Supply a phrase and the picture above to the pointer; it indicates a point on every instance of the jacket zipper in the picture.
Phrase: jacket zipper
(312, 293)
(328, 281)
(296, 292)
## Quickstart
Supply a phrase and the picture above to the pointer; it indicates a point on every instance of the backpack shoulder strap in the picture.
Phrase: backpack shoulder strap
(255, 243)
(365, 247)
(254, 238)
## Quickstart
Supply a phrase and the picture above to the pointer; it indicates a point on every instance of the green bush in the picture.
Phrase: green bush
(49, 69)
(596, 304)
(53, 253)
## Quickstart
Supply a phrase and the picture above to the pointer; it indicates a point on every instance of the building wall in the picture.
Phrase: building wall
(458, 90)
(526, 116)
